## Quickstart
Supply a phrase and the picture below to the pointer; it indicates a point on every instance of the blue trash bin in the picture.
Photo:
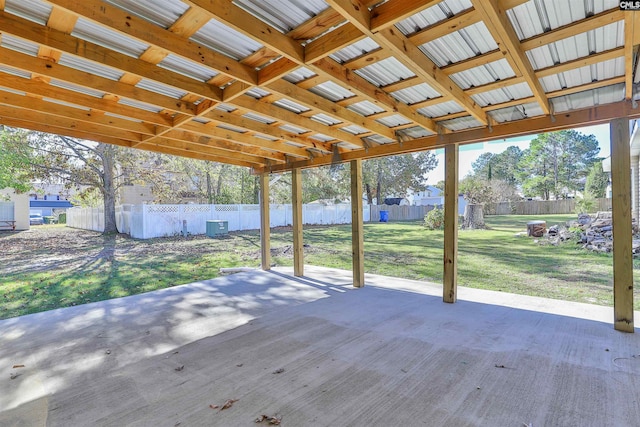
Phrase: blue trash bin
(384, 216)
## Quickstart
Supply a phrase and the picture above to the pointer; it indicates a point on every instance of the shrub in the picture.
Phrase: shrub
(434, 219)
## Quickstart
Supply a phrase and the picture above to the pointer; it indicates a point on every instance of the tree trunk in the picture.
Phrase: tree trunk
(473, 217)
(369, 195)
(209, 189)
(109, 192)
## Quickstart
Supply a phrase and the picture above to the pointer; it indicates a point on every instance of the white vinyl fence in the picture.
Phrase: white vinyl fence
(149, 221)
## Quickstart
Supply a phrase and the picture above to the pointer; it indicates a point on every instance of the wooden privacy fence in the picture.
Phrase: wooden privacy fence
(542, 207)
(400, 213)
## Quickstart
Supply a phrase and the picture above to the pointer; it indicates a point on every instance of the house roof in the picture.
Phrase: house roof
(276, 84)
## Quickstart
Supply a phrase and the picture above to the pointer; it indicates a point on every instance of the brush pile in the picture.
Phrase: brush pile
(593, 233)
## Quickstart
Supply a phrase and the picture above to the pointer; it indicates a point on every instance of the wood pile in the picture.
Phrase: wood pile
(597, 233)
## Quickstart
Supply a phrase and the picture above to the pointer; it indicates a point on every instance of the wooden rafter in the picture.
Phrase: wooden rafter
(504, 34)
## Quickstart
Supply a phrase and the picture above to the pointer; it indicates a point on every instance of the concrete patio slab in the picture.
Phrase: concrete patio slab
(317, 352)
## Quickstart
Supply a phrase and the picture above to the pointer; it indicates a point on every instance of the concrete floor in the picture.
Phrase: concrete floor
(317, 352)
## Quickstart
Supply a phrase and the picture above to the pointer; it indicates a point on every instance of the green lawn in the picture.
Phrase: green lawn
(57, 267)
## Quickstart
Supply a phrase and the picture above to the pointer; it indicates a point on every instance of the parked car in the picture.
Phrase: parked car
(36, 219)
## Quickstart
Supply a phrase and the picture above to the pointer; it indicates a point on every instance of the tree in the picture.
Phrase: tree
(502, 166)
(556, 164)
(597, 181)
(14, 161)
(394, 175)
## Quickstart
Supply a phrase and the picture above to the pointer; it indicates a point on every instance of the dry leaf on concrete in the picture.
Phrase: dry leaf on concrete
(228, 404)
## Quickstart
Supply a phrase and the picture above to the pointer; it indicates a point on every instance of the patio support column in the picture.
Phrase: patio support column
(357, 227)
(296, 202)
(635, 187)
(450, 279)
(265, 222)
(621, 207)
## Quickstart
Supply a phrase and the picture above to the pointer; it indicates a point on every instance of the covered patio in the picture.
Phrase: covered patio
(315, 351)
(279, 86)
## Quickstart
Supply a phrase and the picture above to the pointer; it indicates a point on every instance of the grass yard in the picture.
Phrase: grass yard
(54, 266)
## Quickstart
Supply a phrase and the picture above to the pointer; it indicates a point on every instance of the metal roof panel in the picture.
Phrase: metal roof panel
(478, 76)
(464, 44)
(187, 68)
(365, 108)
(441, 109)
(433, 15)
(78, 63)
(385, 72)
(160, 12)
(224, 39)
(285, 15)
(18, 44)
(416, 93)
(160, 88)
(111, 39)
(33, 10)
(354, 50)
(589, 98)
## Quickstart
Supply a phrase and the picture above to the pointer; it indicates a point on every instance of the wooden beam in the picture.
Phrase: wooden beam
(596, 21)
(329, 43)
(242, 21)
(193, 131)
(265, 223)
(565, 120)
(498, 84)
(357, 227)
(42, 89)
(80, 78)
(296, 206)
(362, 87)
(447, 26)
(64, 42)
(622, 233)
(150, 33)
(240, 122)
(323, 105)
(403, 49)
(475, 61)
(278, 113)
(450, 277)
(628, 55)
(387, 14)
(502, 31)
(581, 62)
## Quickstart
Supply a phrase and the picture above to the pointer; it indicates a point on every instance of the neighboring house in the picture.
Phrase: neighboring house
(48, 206)
(433, 196)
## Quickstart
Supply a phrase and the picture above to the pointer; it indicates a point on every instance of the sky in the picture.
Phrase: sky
(470, 153)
